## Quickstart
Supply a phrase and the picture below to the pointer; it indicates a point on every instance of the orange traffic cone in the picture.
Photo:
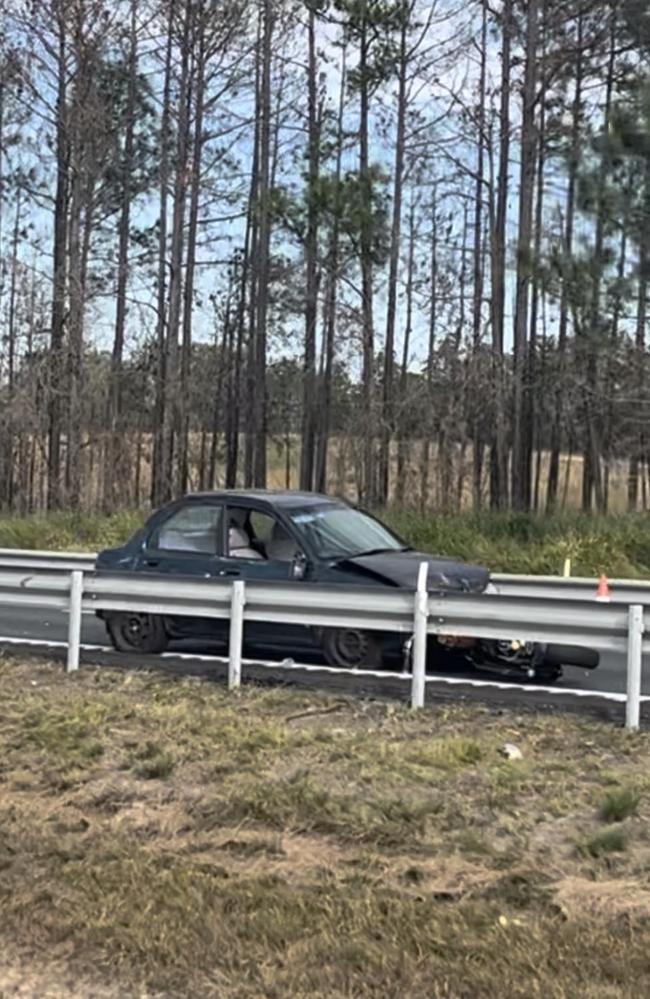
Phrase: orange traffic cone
(603, 593)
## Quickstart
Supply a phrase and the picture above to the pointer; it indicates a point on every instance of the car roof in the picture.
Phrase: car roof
(275, 497)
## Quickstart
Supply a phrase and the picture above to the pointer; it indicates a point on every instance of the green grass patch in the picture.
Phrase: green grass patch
(618, 545)
(153, 763)
(63, 738)
(613, 839)
(619, 804)
(301, 804)
(68, 531)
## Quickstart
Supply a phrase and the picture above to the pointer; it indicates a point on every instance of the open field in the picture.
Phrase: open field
(164, 838)
(507, 542)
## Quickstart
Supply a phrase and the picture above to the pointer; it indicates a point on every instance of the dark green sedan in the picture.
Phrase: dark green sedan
(277, 536)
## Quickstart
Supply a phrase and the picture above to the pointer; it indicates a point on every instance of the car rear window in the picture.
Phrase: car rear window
(193, 528)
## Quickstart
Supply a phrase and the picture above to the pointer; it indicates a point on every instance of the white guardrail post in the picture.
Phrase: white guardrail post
(421, 615)
(634, 662)
(74, 619)
(237, 603)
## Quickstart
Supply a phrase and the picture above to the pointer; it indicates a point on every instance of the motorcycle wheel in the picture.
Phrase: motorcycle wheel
(525, 659)
(548, 674)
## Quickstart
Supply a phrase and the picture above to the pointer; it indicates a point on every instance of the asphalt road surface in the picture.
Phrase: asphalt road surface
(40, 624)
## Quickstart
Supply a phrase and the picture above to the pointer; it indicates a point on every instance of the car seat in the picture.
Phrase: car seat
(280, 547)
(239, 544)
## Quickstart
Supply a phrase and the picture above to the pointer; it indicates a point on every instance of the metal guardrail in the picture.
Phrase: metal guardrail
(614, 626)
(491, 616)
(52, 561)
(623, 591)
(282, 603)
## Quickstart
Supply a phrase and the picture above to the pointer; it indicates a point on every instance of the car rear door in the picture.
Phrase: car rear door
(186, 543)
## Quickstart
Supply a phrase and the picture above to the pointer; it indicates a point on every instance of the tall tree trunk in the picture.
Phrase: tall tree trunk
(263, 253)
(8, 471)
(478, 282)
(3, 89)
(250, 264)
(234, 361)
(114, 480)
(329, 308)
(433, 318)
(368, 489)
(388, 420)
(617, 312)
(76, 294)
(499, 454)
(592, 483)
(639, 452)
(172, 415)
(521, 450)
(534, 394)
(453, 426)
(190, 265)
(223, 355)
(541, 388)
(309, 400)
(33, 428)
(138, 470)
(403, 438)
(160, 464)
(60, 247)
(569, 224)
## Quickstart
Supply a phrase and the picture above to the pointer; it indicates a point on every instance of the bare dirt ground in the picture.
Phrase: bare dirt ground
(162, 838)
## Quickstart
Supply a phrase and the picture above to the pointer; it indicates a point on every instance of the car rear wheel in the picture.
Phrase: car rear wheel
(137, 632)
(350, 648)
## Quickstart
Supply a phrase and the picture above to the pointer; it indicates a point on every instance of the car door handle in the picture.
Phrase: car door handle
(229, 572)
(152, 562)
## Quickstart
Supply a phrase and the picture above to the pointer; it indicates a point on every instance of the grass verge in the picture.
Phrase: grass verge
(165, 838)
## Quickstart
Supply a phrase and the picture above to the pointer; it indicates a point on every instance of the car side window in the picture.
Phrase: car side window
(193, 528)
(256, 535)
(262, 525)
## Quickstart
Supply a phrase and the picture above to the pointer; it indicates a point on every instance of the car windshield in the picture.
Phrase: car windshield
(340, 532)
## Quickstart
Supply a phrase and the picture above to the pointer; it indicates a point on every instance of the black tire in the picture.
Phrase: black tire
(137, 632)
(350, 648)
(548, 674)
(570, 655)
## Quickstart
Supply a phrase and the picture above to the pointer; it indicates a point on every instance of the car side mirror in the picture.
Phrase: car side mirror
(299, 566)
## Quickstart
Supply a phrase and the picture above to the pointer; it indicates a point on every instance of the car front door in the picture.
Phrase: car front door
(259, 547)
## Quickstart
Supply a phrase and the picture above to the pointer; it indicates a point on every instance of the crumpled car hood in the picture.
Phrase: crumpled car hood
(401, 569)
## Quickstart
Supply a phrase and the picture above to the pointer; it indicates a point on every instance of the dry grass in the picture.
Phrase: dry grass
(163, 838)
(345, 453)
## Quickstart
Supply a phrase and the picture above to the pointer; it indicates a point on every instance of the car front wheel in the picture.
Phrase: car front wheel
(137, 632)
(350, 648)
